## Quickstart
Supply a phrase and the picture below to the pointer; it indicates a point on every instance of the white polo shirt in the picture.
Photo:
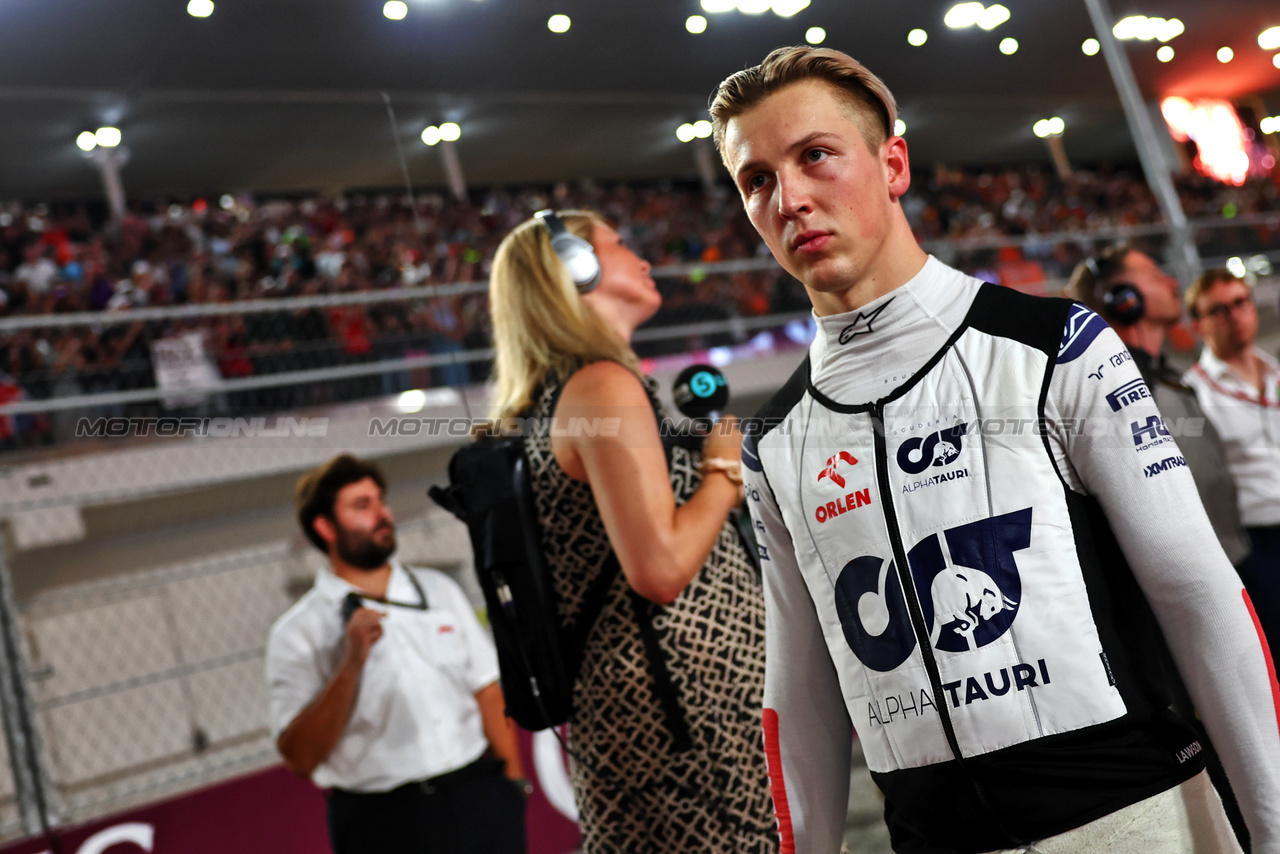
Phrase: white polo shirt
(415, 715)
(1249, 425)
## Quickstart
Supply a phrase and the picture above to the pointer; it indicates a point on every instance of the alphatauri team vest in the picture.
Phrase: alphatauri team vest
(999, 663)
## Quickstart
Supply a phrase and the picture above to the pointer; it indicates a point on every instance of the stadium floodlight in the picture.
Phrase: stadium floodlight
(1275, 60)
(431, 135)
(1269, 39)
(1008, 46)
(1170, 30)
(450, 132)
(559, 23)
(1049, 127)
(1145, 29)
(754, 7)
(395, 10)
(899, 127)
(1226, 54)
(715, 7)
(993, 16)
(1041, 128)
(702, 129)
(1057, 126)
(696, 24)
(88, 142)
(963, 15)
(685, 133)
(1090, 47)
(1235, 266)
(815, 35)
(107, 137)
(788, 8)
(200, 8)
(1165, 53)
(917, 37)
(1271, 124)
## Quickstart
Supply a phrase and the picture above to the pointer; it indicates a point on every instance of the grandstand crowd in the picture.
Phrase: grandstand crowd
(63, 258)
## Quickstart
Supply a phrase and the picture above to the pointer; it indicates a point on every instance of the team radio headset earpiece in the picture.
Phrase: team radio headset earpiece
(576, 254)
(1121, 302)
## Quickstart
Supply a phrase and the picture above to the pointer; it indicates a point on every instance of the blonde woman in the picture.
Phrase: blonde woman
(665, 733)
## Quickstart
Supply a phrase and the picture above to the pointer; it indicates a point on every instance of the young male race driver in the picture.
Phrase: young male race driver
(968, 528)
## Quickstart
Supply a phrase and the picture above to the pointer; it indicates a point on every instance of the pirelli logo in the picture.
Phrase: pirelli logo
(1130, 392)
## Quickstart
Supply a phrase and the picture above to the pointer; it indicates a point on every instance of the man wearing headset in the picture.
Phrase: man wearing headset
(1142, 303)
(957, 561)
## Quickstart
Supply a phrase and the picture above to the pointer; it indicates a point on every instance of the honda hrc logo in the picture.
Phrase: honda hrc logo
(1130, 392)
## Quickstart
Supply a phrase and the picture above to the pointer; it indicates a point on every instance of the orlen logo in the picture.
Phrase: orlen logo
(831, 471)
(843, 505)
(936, 449)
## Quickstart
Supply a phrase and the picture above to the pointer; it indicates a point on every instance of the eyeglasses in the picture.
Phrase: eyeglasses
(1223, 311)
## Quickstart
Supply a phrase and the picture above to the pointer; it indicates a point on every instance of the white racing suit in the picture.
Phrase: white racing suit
(969, 511)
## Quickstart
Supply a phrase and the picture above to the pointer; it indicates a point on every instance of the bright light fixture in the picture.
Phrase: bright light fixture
(754, 7)
(993, 16)
(559, 23)
(1165, 53)
(395, 10)
(696, 24)
(702, 129)
(1235, 266)
(88, 142)
(450, 132)
(1226, 54)
(1269, 39)
(1275, 60)
(787, 8)
(1090, 47)
(411, 401)
(1271, 124)
(107, 137)
(917, 37)
(715, 7)
(1049, 127)
(685, 133)
(200, 8)
(1145, 29)
(431, 135)
(899, 127)
(963, 15)
(1008, 46)
(227, 202)
(815, 35)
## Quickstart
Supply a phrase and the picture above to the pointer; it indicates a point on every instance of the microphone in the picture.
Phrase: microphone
(701, 393)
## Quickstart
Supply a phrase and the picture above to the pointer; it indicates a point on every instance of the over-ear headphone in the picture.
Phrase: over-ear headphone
(1121, 302)
(577, 255)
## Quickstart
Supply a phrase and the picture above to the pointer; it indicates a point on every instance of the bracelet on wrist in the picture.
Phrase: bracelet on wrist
(731, 469)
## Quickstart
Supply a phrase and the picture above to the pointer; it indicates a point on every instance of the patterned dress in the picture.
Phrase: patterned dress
(642, 785)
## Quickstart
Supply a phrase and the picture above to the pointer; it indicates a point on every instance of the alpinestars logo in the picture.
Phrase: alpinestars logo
(937, 450)
(831, 473)
(862, 324)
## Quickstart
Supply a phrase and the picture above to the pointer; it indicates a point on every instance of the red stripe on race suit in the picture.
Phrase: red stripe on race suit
(1266, 653)
(778, 786)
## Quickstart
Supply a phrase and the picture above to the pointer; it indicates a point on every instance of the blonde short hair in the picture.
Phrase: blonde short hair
(874, 108)
(1202, 283)
(541, 324)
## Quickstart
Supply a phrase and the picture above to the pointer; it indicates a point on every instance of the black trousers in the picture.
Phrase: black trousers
(474, 810)
(1260, 572)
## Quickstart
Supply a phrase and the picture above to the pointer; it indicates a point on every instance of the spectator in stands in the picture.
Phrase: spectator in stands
(1239, 387)
(383, 686)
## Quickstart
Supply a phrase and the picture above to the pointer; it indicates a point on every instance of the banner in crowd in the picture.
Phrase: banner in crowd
(181, 362)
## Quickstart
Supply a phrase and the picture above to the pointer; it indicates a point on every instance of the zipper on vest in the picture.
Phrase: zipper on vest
(917, 617)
